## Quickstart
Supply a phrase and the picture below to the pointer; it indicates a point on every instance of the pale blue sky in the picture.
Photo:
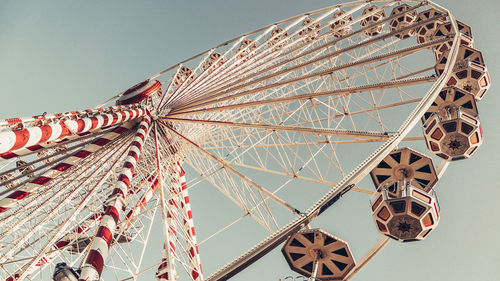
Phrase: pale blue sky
(57, 56)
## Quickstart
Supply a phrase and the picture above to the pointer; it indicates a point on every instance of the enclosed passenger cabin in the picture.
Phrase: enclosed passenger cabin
(404, 164)
(373, 15)
(403, 21)
(341, 24)
(452, 97)
(213, 61)
(469, 72)
(425, 33)
(277, 39)
(183, 75)
(445, 29)
(312, 248)
(409, 217)
(453, 134)
(310, 30)
(139, 92)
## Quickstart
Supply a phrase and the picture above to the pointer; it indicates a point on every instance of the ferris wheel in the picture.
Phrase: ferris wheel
(268, 130)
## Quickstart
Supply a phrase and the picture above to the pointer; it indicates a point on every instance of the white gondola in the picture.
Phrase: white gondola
(409, 217)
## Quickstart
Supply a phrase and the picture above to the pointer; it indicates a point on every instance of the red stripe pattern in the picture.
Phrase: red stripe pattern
(194, 255)
(15, 143)
(53, 118)
(45, 179)
(140, 92)
(99, 248)
(167, 262)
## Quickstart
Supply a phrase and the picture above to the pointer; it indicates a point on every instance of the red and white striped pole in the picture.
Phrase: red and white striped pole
(15, 143)
(45, 179)
(194, 255)
(172, 217)
(94, 264)
(21, 122)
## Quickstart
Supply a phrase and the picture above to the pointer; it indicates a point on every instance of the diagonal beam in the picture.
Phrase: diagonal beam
(345, 91)
(303, 130)
(379, 245)
(234, 171)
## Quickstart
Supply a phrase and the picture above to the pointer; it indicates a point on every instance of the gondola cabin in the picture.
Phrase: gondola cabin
(409, 217)
(453, 134)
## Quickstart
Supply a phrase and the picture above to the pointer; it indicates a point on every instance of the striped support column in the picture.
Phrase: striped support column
(72, 236)
(172, 214)
(21, 122)
(91, 221)
(15, 143)
(94, 264)
(45, 179)
(194, 255)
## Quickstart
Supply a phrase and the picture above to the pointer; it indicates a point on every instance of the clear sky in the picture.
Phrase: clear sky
(68, 55)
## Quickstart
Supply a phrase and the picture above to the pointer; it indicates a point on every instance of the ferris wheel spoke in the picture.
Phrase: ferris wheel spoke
(228, 77)
(316, 48)
(303, 97)
(304, 130)
(220, 97)
(209, 98)
(222, 135)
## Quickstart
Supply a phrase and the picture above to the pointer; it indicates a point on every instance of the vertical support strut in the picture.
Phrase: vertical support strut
(94, 264)
(166, 270)
(194, 255)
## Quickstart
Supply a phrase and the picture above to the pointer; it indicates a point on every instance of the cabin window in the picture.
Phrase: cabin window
(474, 139)
(475, 74)
(466, 128)
(417, 209)
(430, 126)
(428, 220)
(434, 146)
(384, 214)
(437, 135)
(381, 227)
(377, 202)
(398, 206)
(461, 74)
(450, 127)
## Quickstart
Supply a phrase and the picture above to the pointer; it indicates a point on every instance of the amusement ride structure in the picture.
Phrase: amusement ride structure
(279, 123)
